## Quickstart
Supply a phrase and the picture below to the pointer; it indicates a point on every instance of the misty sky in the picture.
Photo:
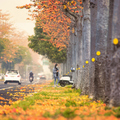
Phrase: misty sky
(18, 16)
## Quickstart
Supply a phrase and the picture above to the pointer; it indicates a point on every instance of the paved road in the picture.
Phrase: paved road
(12, 91)
(11, 85)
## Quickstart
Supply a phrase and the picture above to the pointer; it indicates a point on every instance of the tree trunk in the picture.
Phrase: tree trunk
(61, 69)
(93, 6)
(80, 61)
(79, 52)
(64, 67)
(115, 65)
(68, 57)
(70, 49)
(86, 38)
(109, 54)
(75, 55)
(101, 45)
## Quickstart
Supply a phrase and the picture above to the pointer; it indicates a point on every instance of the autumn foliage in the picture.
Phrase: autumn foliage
(10, 42)
(45, 102)
(5, 26)
(50, 15)
(44, 47)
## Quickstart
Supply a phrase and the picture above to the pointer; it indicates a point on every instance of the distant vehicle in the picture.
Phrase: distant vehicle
(38, 77)
(1, 76)
(43, 77)
(12, 76)
(66, 80)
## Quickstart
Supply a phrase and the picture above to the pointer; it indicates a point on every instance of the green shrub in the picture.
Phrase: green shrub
(117, 112)
(107, 108)
(70, 103)
(108, 114)
(85, 103)
(68, 113)
(47, 114)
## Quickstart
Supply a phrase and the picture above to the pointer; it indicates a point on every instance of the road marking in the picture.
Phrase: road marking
(6, 88)
(36, 82)
(18, 85)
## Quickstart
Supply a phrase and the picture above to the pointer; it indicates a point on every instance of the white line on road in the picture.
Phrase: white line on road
(6, 88)
(36, 82)
(17, 86)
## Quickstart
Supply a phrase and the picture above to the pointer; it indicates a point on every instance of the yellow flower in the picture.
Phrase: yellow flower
(68, 3)
(64, 6)
(86, 62)
(93, 59)
(98, 53)
(115, 41)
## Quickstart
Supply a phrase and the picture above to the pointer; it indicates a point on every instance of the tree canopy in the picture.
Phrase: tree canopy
(45, 47)
(1, 46)
(53, 17)
(11, 51)
(22, 55)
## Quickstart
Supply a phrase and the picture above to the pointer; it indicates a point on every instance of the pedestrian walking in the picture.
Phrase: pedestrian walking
(56, 74)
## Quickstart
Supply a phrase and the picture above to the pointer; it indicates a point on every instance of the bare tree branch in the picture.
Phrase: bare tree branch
(71, 13)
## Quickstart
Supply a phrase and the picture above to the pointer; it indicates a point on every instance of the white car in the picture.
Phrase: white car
(12, 76)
